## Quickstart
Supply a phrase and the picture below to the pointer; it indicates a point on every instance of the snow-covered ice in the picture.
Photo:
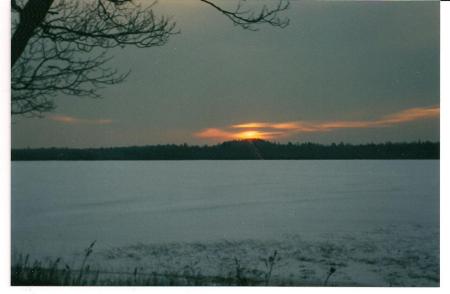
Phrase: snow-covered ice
(376, 222)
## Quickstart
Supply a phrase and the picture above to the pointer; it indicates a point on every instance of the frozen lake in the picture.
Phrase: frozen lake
(58, 207)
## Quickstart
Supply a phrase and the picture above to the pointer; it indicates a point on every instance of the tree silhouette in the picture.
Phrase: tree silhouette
(60, 46)
(238, 150)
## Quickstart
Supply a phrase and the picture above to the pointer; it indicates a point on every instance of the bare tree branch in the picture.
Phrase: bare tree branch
(65, 52)
(106, 24)
(48, 69)
(60, 46)
(247, 19)
(15, 6)
(31, 16)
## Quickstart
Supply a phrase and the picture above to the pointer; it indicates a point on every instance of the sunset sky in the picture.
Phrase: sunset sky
(341, 71)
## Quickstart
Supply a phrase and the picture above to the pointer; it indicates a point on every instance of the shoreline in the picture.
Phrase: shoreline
(381, 257)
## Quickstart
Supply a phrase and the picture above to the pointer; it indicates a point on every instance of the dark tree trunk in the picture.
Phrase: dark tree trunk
(31, 16)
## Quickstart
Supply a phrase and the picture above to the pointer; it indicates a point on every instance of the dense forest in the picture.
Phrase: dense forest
(242, 149)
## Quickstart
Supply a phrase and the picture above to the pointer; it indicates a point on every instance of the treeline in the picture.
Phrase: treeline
(244, 149)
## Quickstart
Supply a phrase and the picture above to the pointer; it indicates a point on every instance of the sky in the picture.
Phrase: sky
(353, 72)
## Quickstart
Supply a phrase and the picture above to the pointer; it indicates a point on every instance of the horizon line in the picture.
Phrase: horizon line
(235, 140)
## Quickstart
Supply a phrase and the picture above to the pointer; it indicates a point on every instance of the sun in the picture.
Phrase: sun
(248, 135)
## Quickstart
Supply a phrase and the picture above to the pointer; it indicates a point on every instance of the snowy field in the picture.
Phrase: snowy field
(375, 222)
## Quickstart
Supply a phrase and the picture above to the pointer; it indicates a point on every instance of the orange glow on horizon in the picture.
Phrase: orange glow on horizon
(271, 130)
(66, 119)
(213, 133)
(252, 135)
(249, 135)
